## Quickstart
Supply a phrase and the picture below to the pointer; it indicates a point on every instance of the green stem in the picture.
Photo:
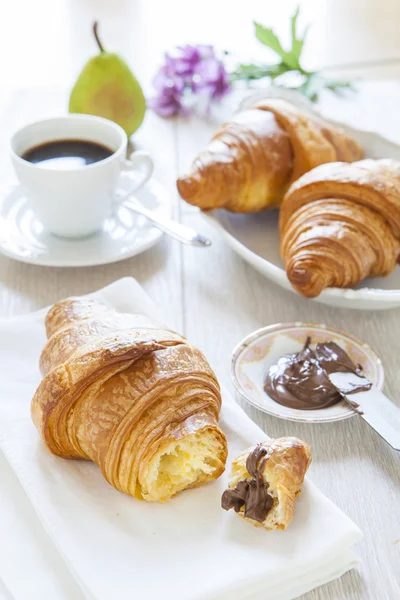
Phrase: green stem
(96, 35)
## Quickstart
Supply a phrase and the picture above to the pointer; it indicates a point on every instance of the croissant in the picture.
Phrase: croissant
(340, 223)
(265, 481)
(251, 160)
(132, 396)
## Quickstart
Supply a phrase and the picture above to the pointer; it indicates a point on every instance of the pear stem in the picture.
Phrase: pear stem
(96, 35)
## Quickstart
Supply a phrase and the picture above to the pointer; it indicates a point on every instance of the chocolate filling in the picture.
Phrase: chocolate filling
(251, 493)
(301, 380)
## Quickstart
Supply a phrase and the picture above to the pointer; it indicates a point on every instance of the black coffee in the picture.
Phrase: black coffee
(66, 154)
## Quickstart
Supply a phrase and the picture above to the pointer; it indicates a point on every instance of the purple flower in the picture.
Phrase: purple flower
(188, 68)
(211, 78)
(183, 59)
(169, 88)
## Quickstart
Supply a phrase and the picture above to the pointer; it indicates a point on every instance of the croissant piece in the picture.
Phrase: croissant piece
(252, 159)
(340, 224)
(132, 396)
(265, 480)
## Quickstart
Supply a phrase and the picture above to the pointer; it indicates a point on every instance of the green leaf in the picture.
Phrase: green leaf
(297, 43)
(279, 70)
(250, 72)
(267, 37)
(312, 81)
(336, 85)
(311, 86)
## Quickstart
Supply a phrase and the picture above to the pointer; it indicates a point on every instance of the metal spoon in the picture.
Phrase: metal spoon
(179, 232)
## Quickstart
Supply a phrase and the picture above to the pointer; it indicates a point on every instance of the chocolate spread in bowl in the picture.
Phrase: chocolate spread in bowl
(301, 380)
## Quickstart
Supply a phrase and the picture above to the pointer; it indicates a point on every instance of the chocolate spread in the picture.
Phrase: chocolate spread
(301, 380)
(251, 493)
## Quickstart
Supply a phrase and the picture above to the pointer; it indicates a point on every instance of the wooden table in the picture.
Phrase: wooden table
(212, 296)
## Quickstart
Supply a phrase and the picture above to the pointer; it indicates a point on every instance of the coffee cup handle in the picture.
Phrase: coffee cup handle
(139, 168)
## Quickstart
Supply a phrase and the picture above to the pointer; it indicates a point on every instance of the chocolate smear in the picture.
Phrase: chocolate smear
(251, 493)
(301, 380)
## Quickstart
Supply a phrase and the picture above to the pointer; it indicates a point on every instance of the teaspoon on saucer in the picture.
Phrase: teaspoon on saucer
(182, 233)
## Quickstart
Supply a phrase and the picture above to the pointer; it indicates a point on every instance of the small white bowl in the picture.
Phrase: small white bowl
(253, 356)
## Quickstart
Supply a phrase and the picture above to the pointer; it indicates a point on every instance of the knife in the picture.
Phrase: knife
(373, 406)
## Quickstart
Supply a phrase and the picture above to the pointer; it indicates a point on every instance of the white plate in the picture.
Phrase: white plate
(252, 357)
(255, 237)
(123, 235)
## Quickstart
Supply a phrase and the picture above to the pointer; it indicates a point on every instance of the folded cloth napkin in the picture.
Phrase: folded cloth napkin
(115, 546)
(30, 567)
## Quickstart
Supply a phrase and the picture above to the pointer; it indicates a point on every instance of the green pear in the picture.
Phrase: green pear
(107, 88)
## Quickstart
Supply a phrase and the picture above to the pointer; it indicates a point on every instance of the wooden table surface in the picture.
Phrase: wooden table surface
(212, 296)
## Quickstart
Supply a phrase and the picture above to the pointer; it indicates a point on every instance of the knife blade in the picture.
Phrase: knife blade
(374, 407)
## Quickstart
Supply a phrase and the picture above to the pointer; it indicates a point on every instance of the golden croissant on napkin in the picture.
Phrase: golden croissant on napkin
(252, 159)
(340, 223)
(132, 396)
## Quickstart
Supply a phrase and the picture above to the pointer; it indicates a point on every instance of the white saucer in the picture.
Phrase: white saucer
(253, 356)
(123, 235)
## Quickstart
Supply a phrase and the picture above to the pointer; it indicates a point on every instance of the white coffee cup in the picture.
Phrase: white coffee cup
(75, 202)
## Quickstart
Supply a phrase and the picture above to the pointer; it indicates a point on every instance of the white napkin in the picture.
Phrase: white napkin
(119, 547)
(30, 567)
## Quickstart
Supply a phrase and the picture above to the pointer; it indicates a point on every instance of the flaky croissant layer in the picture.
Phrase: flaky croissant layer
(130, 395)
(340, 224)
